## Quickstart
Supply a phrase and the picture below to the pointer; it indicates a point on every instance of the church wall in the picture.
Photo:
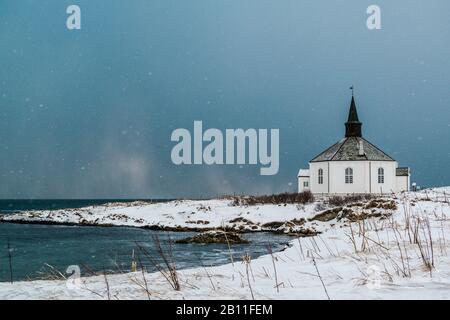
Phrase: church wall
(390, 181)
(301, 181)
(402, 183)
(365, 177)
(360, 177)
(314, 176)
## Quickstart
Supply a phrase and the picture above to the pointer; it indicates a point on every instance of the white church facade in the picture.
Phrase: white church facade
(353, 165)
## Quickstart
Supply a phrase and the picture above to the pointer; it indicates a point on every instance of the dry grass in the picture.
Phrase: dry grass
(423, 238)
(339, 201)
(282, 198)
(274, 259)
(246, 259)
(168, 267)
(320, 277)
(412, 235)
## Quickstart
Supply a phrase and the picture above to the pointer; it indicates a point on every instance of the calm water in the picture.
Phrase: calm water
(100, 248)
(8, 205)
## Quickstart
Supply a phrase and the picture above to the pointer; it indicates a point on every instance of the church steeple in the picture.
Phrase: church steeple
(353, 126)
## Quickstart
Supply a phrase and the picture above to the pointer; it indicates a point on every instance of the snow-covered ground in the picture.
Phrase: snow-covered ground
(175, 215)
(364, 251)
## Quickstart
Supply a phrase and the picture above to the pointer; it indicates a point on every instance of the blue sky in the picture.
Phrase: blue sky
(89, 113)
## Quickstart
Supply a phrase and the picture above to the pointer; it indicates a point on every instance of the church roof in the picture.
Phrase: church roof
(353, 126)
(353, 114)
(352, 149)
(303, 173)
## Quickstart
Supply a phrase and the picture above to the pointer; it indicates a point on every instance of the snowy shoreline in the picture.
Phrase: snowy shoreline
(364, 251)
(179, 215)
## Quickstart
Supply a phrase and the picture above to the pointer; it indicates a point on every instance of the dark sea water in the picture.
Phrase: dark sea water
(8, 205)
(110, 249)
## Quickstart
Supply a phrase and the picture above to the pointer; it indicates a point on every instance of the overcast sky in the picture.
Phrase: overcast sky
(89, 113)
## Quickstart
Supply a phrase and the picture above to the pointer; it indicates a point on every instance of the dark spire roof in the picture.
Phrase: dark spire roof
(353, 126)
(353, 114)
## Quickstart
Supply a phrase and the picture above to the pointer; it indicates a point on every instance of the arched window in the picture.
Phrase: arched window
(348, 175)
(320, 176)
(380, 175)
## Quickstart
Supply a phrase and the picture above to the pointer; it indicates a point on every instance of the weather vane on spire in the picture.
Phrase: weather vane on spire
(352, 88)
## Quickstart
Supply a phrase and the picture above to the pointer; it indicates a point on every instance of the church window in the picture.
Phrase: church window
(348, 175)
(305, 184)
(380, 175)
(320, 176)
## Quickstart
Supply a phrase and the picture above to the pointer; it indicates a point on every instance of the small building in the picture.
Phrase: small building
(353, 165)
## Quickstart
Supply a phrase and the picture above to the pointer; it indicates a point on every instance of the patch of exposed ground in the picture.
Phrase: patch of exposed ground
(210, 237)
(375, 208)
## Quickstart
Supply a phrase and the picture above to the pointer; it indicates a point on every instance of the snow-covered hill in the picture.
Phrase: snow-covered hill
(364, 251)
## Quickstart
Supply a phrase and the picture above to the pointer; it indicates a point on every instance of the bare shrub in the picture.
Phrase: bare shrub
(320, 277)
(247, 260)
(340, 201)
(282, 198)
(168, 268)
(423, 238)
(320, 206)
(49, 272)
(270, 251)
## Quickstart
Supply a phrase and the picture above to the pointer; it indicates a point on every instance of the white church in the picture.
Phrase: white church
(353, 165)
